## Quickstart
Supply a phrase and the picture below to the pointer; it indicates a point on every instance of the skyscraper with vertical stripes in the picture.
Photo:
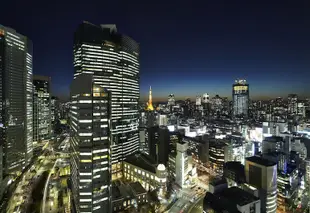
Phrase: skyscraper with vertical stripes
(16, 100)
(113, 60)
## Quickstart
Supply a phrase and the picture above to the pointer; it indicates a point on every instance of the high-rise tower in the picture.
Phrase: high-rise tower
(171, 102)
(113, 60)
(240, 97)
(41, 108)
(90, 143)
(262, 174)
(292, 103)
(149, 103)
(16, 96)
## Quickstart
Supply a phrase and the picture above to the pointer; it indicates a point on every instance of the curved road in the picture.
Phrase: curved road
(46, 188)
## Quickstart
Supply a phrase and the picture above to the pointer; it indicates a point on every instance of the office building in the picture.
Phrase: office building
(16, 95)
(272, 144)
(171, 102)
(288, 184)
(262, 174)
(231, 200)
(41, 108)
(163, 145)
(113, 60)
(90, 116)
(218, 154)
(162, 120)
(187, 108)
(198, 101)
(292, 104)
(152, 141)
(233, 172)
(217, 105)
(55, 111)
(240, 93)
(181, 164)
(206, 104)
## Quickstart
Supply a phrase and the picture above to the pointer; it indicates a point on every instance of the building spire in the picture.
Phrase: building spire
(150, 104)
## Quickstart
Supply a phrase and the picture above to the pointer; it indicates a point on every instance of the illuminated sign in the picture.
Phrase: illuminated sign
(1, 32)
(240, 88)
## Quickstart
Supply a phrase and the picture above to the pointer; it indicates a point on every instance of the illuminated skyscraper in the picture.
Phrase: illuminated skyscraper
(171, 100)
(113, 60)
(16, 95)
(292, 104)
(240, 95)
(41, 108)
(55, 112)
(90, 159)
(206, 104)
(198, 100)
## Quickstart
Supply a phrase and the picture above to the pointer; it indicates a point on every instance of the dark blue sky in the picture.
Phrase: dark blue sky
(187, 47)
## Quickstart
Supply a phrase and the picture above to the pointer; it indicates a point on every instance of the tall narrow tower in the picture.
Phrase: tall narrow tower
(150, 104)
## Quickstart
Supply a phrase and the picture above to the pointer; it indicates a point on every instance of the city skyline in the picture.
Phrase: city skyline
(203, 146)
(252, 41)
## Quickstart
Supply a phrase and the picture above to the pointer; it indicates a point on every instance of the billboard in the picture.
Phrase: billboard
(256, 134)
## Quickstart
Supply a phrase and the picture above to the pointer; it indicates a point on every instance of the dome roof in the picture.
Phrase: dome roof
(161, 167)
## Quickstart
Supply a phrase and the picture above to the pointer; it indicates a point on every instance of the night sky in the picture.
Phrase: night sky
(187, 47)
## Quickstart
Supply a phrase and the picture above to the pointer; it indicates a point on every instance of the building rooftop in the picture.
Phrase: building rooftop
(218, 204)
(126, 191)
(238, 196)
(218, 143)
(236, 167)
(142, 161)
(216, 181)
(116, 193)
(137, 188)
(260, 161)
(273, 139)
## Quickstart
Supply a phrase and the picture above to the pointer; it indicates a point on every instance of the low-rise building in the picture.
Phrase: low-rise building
(231, 200)
(125, 196)
(140, 167)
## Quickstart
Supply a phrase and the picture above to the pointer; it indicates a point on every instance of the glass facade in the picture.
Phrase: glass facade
(41, 108)
(240, 95)
(16, 95)
(113, 60)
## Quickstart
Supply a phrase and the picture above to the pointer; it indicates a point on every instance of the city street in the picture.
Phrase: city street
(55, 186)
(49, 203)
(179, 206)
(188, 198)
(20, 198)
(28, 187)
(196, 207)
